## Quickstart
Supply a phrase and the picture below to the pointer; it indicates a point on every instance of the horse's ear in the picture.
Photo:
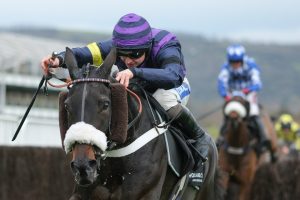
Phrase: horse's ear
(71, 63)
(63, 116)
(105, 69)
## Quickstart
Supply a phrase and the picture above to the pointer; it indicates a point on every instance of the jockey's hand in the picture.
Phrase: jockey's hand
(124, 76)
(227, 98)
(245, 91)
(47, 62)
(285, 150)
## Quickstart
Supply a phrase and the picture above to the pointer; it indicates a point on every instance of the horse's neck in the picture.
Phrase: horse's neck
(139, 127)
(237, 133)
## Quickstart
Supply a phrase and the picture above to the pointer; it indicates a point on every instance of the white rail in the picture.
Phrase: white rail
(36, 131)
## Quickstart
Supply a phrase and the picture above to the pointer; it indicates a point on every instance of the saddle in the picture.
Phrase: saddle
(181, 158)
(181, 153)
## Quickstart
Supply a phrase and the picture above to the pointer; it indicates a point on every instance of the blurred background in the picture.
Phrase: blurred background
(32, 29)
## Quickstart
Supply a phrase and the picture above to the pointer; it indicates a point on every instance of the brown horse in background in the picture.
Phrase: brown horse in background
(239, 155)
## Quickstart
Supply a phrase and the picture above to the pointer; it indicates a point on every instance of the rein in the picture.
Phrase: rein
(242, 150)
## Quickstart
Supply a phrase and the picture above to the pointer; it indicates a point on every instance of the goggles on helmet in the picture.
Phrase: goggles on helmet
(286, 126)
(131, 53)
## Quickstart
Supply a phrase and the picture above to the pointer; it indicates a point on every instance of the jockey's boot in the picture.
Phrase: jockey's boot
(188, 125)
(264, 142)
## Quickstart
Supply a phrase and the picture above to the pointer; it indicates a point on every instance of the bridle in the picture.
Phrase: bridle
(241, 118)
(105, 81)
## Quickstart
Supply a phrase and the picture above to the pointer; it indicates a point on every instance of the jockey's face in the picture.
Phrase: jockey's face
(133, 62)
(132, 57)
(236, 65)
(286, 130)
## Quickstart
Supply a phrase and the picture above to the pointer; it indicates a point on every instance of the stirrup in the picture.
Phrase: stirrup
(193, 142)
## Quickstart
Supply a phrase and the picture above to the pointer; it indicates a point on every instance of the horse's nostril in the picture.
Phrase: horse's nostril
(78, 169)
(72, 165)
(92, 163)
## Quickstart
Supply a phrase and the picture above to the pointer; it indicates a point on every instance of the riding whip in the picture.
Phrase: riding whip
(209, 112)
(29, 108)
(54, 55)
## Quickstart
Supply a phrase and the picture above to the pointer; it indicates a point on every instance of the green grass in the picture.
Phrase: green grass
(213, 131)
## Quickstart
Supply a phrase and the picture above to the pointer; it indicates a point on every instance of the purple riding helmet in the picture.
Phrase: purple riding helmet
(132, 32)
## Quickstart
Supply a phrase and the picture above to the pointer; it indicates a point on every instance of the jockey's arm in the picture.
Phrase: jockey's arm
(297, 140)
(223, 78)
(169, 71)
(93, 53)
(256, 84)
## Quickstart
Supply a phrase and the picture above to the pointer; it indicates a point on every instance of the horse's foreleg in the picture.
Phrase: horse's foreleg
(247, 176)
(75, 197)
(156, 191)
(244, 192)
(102, 193)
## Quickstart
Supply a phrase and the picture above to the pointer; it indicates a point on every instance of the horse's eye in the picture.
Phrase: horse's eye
(66, 107)
(105, 104)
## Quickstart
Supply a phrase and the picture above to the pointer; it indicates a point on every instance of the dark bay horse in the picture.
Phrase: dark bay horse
(237, 155)
(278, 181)
(136, 166)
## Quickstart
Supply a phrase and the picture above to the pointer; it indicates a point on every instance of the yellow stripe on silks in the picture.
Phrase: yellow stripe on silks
(96, 53)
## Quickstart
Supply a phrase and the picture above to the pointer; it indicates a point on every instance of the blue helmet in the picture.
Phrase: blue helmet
(235, 53)
(132, 32)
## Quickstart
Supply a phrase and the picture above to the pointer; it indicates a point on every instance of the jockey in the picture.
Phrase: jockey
(240, 73)
(288, 131)
(153, 56)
